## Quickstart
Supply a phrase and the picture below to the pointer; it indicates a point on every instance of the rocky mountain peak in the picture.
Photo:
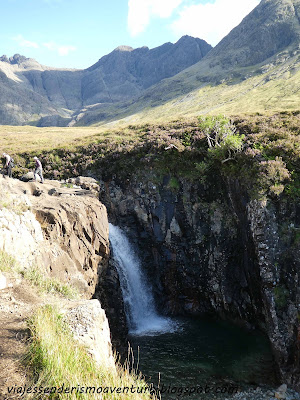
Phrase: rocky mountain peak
(18, 59)
(123, 48)
(4, 58)
(271, 27)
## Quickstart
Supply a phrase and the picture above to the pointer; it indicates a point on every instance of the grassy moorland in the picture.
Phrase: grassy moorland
(256, 94)
(268, 156)
(19, 139)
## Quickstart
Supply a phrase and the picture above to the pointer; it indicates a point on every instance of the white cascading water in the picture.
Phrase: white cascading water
(142, 317)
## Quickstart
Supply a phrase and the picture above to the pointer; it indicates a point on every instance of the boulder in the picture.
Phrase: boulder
(89, 325)
(29, 177)
(281, 392)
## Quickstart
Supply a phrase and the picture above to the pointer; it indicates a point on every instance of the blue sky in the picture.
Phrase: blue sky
(76, 33)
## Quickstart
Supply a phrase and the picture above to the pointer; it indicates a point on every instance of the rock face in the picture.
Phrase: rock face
(108, 292)
(126, 72)
(65, 231)
(266, 41)
(89, 325)
(271, 27)
(212, 250)
(28, 88)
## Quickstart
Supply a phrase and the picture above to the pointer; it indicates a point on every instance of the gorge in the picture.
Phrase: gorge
(201, 269)
(216, 240)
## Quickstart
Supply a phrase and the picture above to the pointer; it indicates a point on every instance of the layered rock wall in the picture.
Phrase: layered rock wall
(210, 249)
(62, 230)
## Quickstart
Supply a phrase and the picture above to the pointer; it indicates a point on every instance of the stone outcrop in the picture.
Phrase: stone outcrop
(64, 230)
(89, 326)
(271, 27)
(209, 249)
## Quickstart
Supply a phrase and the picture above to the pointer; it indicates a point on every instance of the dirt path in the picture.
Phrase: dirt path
(16, 304)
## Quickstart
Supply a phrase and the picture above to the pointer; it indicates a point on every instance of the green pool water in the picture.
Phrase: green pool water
(204, 355)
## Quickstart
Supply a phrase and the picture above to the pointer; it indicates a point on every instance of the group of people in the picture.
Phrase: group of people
(9, 164)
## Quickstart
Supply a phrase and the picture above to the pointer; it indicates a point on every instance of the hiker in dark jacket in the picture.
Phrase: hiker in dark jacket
(38, 169)
(8, 165)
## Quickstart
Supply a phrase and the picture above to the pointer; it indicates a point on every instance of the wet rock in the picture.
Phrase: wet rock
(281, 392)
(214, 250)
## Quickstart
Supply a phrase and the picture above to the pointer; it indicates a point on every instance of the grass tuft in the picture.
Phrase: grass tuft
(7, 262)
(37, 277)
(55, 359)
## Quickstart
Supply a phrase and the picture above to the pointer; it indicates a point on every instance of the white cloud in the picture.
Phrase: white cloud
(212, 21)
(65, 50)
(141, 11)
(25, 43)
(62, 50)
(50, 45)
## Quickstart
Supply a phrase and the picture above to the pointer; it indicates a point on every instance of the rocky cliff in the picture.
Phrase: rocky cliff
(265, 46)
(270, 28)
(63, 230)
(210, 249)
(58, 234)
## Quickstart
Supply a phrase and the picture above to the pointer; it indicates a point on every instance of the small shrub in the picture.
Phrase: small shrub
(281, 295)
(223, 141)
(272, 176)
(174, 184)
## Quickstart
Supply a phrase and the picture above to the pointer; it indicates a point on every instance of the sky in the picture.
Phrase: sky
(77, 33)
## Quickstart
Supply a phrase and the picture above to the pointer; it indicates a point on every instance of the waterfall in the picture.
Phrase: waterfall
(142, 317)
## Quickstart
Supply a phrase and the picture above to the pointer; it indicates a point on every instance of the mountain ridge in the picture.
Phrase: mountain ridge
(254, 59)
(228, 65)
(41, 91)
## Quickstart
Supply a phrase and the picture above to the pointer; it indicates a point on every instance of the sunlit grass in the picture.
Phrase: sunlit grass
(248, 97)
(20, 139)
(55, 359)
(7, 262)
(37, 277)
(42, 282)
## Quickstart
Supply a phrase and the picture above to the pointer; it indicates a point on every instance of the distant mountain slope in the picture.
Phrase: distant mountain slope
(126, 72)
(30, 90)
(255, 67)
(271, 27)
(248, 67)
(268, 36)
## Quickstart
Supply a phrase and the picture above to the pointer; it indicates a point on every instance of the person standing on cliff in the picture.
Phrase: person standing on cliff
(8, 165)
(38, 169)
